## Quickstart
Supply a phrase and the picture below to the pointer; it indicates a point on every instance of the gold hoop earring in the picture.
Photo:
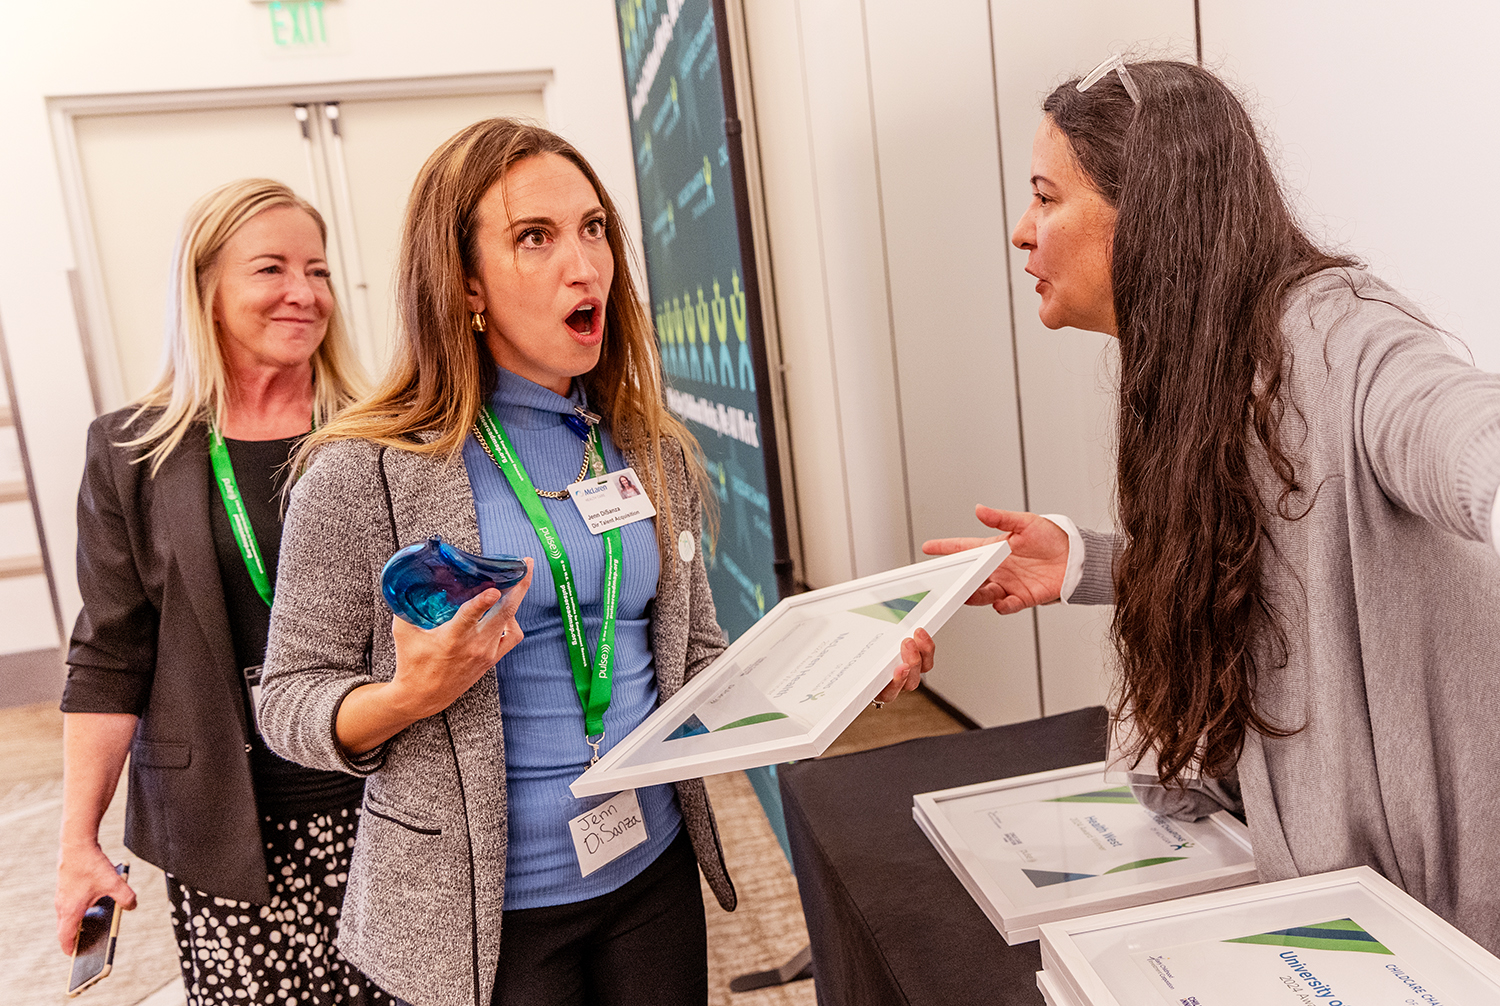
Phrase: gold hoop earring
(477, 322)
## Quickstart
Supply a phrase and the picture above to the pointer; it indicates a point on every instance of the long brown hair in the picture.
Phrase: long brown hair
(1205, 250)
(442, 373)
(193, 386)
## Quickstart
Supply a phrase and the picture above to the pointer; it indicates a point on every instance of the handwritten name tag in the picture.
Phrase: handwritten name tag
(612, 500)
(604, 834)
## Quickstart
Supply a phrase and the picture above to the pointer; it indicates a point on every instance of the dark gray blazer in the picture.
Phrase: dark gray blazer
(427, 884)
(153, 639)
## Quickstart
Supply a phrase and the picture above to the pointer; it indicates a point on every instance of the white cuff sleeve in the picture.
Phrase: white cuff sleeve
(1074, 571)
(1495, 523)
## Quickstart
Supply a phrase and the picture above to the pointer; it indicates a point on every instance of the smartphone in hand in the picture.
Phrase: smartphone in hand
(94, 946)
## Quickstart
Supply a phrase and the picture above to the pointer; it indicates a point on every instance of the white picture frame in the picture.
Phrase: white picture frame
(1060, 844)
(837, 647)
(1054, 993)
(1098, 960)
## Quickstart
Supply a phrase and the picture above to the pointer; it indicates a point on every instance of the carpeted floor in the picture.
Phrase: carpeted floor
(763, 933)
(36, 972)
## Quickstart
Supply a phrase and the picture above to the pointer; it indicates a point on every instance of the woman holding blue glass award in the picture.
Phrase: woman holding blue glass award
(525, 388)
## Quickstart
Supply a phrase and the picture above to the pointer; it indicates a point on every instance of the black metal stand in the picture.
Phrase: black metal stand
(794, 970)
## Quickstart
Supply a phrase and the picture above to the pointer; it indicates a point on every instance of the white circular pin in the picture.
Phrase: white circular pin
(685, 546)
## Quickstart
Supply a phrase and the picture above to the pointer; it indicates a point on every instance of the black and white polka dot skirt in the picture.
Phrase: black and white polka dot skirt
(279, 954)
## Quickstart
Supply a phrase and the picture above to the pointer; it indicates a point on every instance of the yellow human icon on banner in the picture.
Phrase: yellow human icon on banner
(708, 347)
(690, 324)
(721, 326)
(738, 309)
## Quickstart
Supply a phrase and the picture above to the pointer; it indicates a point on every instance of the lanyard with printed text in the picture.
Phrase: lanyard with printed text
(593, 684)
(239, 518)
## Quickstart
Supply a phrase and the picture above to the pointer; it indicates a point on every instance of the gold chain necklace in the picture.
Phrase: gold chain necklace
(551, 494)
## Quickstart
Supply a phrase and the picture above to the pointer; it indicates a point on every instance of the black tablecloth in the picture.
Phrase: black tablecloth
(888, 921)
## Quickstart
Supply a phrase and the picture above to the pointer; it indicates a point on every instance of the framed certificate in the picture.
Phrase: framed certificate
(1348, 937)
(789, 686)
(1060, 844)
(1053, 994)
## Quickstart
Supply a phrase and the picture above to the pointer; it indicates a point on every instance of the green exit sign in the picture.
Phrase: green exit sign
(298, 24)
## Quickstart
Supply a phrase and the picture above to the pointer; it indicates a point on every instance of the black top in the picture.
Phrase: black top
(260, 467)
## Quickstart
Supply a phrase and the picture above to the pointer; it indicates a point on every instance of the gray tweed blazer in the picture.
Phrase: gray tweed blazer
(422, 910)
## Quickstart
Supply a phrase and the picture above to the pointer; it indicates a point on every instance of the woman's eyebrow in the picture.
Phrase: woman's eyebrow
(544, 221)
(1040, 178)
(278, 257)
(533, 222)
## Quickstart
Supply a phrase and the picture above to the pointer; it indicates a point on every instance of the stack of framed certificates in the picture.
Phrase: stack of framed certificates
(1061, 844)
(1333, 938)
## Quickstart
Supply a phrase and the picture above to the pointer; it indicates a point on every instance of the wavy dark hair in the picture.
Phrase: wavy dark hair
(1205, 250)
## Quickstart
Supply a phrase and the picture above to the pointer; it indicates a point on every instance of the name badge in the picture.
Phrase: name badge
(604, 834)
(612, 500)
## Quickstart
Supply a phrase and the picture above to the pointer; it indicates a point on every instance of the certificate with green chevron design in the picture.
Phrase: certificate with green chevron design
(1061, 844)
(790, 685)
(1324, 961)
(1345, 938)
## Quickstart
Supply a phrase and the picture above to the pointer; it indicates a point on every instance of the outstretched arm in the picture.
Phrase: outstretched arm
(1031, 575)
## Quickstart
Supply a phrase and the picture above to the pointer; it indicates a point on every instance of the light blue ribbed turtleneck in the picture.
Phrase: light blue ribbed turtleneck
(540, 713)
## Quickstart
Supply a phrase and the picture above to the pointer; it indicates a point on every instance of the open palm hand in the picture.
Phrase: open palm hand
(1033, 572)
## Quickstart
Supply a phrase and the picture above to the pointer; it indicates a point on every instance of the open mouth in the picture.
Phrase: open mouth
(582, 320)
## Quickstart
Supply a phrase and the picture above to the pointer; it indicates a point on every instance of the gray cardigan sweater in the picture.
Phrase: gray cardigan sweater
(426, 886)
(1390, 597)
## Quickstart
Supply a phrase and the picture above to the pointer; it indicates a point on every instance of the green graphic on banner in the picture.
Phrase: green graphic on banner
(697, 280)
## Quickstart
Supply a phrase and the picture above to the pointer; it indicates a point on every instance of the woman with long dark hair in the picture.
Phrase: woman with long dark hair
(1307, 603)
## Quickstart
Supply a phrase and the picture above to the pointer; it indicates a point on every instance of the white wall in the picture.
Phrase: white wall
(103, 46)
(1384, 115)
(879, 123)
(906, 319)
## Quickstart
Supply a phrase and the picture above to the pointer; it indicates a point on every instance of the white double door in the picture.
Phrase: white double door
(354, 159)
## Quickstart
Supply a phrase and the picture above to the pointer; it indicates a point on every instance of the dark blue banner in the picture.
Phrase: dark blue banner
(700, 268)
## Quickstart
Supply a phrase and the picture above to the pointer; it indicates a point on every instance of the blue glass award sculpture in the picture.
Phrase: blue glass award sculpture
(426, 583)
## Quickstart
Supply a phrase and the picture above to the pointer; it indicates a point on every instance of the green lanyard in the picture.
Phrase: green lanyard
(239, 519)
(593, 684)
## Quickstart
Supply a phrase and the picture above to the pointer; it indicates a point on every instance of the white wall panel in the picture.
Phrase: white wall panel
(849, 222)
(1383, 115)
(774, 41)
(29, 622)
(17, 535)
(1067, 378)
(945, 247)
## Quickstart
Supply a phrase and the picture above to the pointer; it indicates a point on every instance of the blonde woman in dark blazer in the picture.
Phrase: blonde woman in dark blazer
(517, 310)
(172, 615)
